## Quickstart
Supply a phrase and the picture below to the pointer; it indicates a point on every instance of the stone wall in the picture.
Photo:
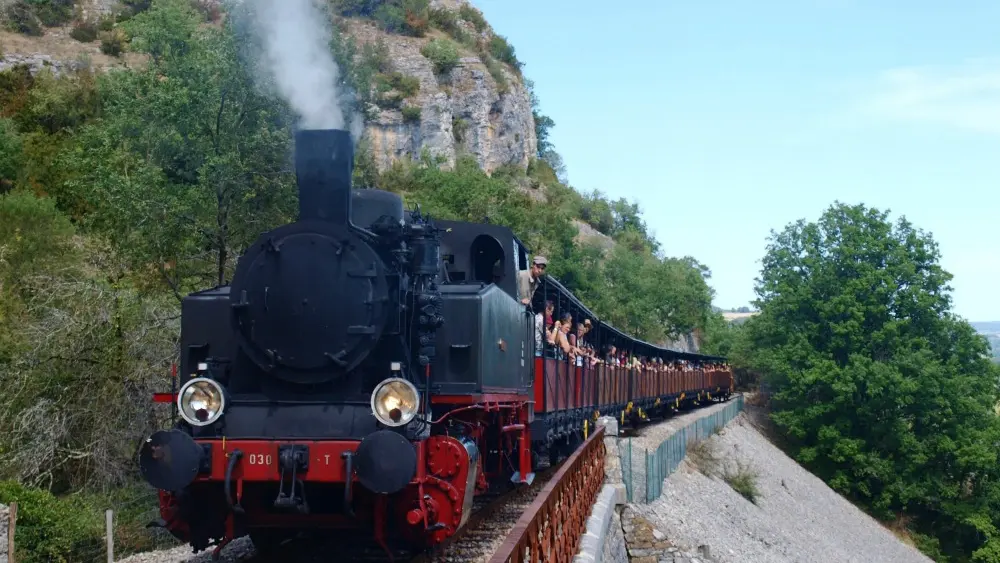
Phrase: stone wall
(615, 550)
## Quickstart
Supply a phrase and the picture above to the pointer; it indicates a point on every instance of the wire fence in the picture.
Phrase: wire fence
(643, 471)
(110, 530)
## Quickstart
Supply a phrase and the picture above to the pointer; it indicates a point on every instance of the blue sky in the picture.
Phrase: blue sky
(758, 113)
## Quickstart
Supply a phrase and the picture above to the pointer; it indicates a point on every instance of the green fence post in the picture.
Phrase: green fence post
(631, 483)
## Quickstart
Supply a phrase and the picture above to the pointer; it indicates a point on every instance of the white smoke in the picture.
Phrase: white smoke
(294, 40)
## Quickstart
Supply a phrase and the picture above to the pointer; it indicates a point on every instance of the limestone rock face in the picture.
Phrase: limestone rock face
(463, 112)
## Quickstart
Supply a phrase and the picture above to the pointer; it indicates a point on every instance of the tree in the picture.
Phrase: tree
(191, 160)
(11, 154)
(883, 392)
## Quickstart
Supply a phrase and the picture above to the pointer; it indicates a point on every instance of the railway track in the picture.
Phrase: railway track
(487, 527)
(493, 517)
(539, 523)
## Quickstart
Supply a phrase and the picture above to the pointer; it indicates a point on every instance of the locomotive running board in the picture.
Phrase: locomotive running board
(516, 478)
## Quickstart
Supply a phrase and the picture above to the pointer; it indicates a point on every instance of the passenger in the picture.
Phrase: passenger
(527, 281)
(561, 336)
(540, 332)
(611, 358)
(578, 343)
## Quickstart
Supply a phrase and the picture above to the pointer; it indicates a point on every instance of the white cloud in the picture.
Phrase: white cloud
(966, 96)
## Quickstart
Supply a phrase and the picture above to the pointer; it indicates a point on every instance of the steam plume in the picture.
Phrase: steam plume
(294, 40)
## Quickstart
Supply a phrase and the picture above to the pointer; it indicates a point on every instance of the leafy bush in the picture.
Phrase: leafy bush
(411, 114)
(51, 529)
(113, 42)
(54, 12)
(391, 17)
(442, 53)
(459, 127)
(33, 235)
(11, 154)
(473, 16)
(496, 71)
(133, 7)
(408, 17)
(106, 23)
(23, 19)
(407, 86)
(28, 16)
(49, 103)
(447, 21)
(85, 32)
(210, 9)
(743, 479)
(362, 8)
(502, 51)
(375, 56)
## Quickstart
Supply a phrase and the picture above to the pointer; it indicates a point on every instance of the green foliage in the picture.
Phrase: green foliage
(33, 235)
(47, 103)
(721, 338)
(137, 6)
(392, 88)
(543, 128)
(473, 16)
(51, 529)
(179, 144)
(21, 17)
(502, 51)
(459, 128)
(366, 173)
(442, 53)
(113, 42)
(106, 23)
(881, 390)
(448, 22)
(28, 16)
(85, 32)
(411, 114)
(542, 173)
(71, 329)
(496, 71)
(11, 154)
(407, 17)
(619, 219)
(743, 479)
(651, 297)
(375, 56)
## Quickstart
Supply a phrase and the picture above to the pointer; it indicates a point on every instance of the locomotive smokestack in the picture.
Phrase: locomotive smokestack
(324, 162)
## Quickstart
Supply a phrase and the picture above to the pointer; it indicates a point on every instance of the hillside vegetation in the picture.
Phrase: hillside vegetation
(991, 330)
(122, 191)
(878, 388)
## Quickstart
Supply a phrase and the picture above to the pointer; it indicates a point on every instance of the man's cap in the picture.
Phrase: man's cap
(540, 261)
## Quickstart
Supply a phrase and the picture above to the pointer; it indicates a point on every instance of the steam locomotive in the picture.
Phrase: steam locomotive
(369, 370)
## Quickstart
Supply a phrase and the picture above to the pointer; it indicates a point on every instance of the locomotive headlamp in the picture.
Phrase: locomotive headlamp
(201, 401)
(395, 401)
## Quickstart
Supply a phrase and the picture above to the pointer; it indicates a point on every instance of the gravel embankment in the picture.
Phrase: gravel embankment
(240, 550)
(796, 517)
(650, 437)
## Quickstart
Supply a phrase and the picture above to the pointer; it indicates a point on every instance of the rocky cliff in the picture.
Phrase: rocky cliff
(477, 107)
(462, 111)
